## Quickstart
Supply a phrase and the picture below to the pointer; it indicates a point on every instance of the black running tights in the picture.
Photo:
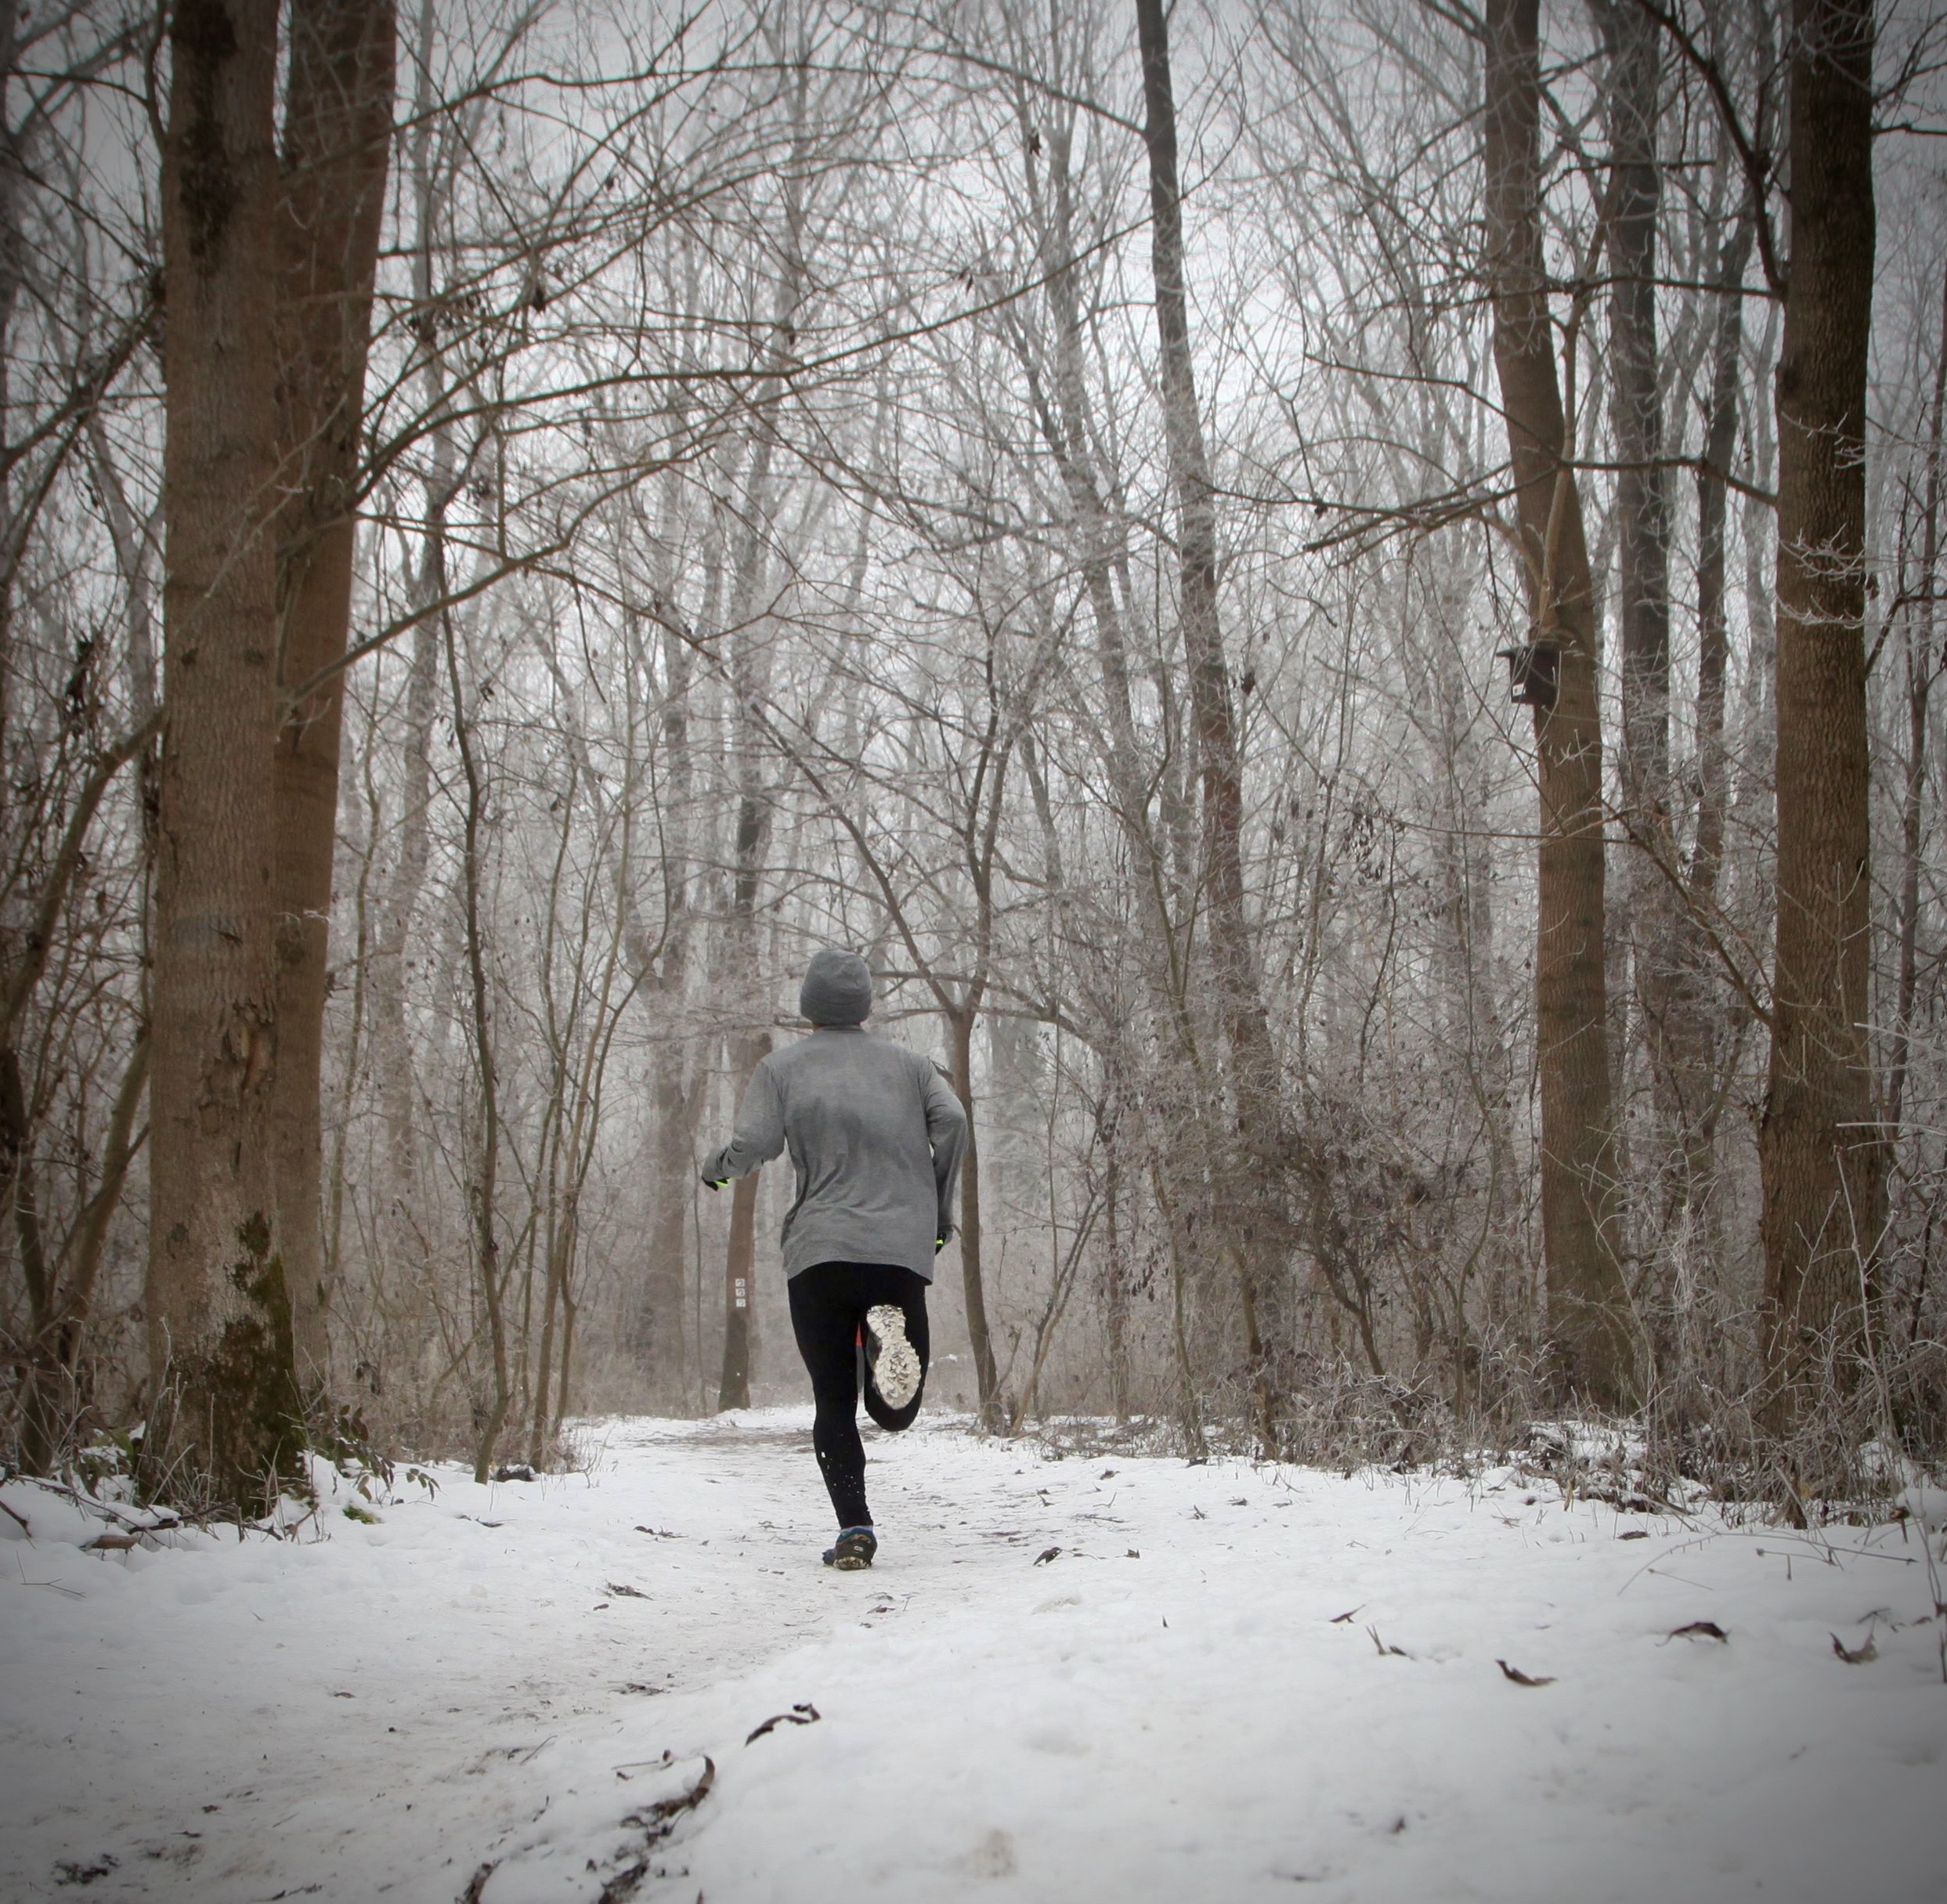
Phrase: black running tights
(828, 1303)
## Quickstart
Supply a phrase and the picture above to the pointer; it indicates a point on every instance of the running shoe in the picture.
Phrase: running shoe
(852, 1551)
(894, 1363)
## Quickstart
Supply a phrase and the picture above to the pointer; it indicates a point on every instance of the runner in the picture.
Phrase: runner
(875, 1137)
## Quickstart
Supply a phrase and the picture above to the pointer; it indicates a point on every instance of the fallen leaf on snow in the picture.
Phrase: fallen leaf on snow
(1521, 1678)
(804, 1715)
(1697, 1629)
(1046, 1554)
(1380, 1646)
(622, 1591)
(655, 1821)
(668, 1807)
(1862, 1655)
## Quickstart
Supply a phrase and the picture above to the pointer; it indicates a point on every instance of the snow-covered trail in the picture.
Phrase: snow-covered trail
(1172, 1708)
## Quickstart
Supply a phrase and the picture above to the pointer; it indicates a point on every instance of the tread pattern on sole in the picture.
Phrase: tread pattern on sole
(895, 1366)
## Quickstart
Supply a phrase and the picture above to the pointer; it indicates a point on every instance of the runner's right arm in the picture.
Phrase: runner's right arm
(759, 1131)
(946, 1132)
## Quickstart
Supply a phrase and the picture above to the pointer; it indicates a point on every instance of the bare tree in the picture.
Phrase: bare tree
(1587, 1306)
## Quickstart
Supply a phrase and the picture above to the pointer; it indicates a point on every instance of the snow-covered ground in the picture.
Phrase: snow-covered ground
(1229, 1682)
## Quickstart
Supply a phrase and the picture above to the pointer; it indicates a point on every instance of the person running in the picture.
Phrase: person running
(875, 1137)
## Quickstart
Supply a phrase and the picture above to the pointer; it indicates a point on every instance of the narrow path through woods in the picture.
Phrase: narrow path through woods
(1228, 1679)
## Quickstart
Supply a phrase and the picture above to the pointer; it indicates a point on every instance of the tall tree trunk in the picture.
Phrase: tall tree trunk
(751, 1044)
(1263, 1147)
(220, 1351)
(1820, 1155)
(973, 1266)
(338, 131)
(1642, 512)
(679, 1083)
(1586, 1302)
(748, 1049)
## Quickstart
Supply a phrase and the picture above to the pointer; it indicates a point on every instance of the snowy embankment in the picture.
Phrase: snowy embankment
(1071, 1681)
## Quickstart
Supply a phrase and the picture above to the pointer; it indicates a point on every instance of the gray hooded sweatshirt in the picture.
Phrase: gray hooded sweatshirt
(876, 1137)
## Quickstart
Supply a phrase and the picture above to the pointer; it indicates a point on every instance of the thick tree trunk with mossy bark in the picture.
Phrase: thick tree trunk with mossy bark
(1819, 1151)
(338, 131)
(1587, 1304)
(224, 1399)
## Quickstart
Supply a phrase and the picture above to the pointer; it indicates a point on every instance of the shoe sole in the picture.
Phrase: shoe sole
(851, 1563)
(895, 1370)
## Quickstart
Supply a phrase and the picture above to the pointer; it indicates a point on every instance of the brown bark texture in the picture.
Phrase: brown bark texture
(337, 131)
(1819, 1152)
(1587, 1302)
(1642, 511)
(224, 1398)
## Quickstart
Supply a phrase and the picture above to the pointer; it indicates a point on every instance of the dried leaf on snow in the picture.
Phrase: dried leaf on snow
(1697, 1629)
(804, 1715)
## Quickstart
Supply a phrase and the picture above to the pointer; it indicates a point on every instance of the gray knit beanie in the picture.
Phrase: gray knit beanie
(837, 988)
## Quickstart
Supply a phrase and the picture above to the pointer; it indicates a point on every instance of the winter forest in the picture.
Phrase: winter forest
(1345, 600)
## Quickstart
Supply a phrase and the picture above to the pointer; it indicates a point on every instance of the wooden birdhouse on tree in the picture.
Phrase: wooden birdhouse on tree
(1534, 670)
